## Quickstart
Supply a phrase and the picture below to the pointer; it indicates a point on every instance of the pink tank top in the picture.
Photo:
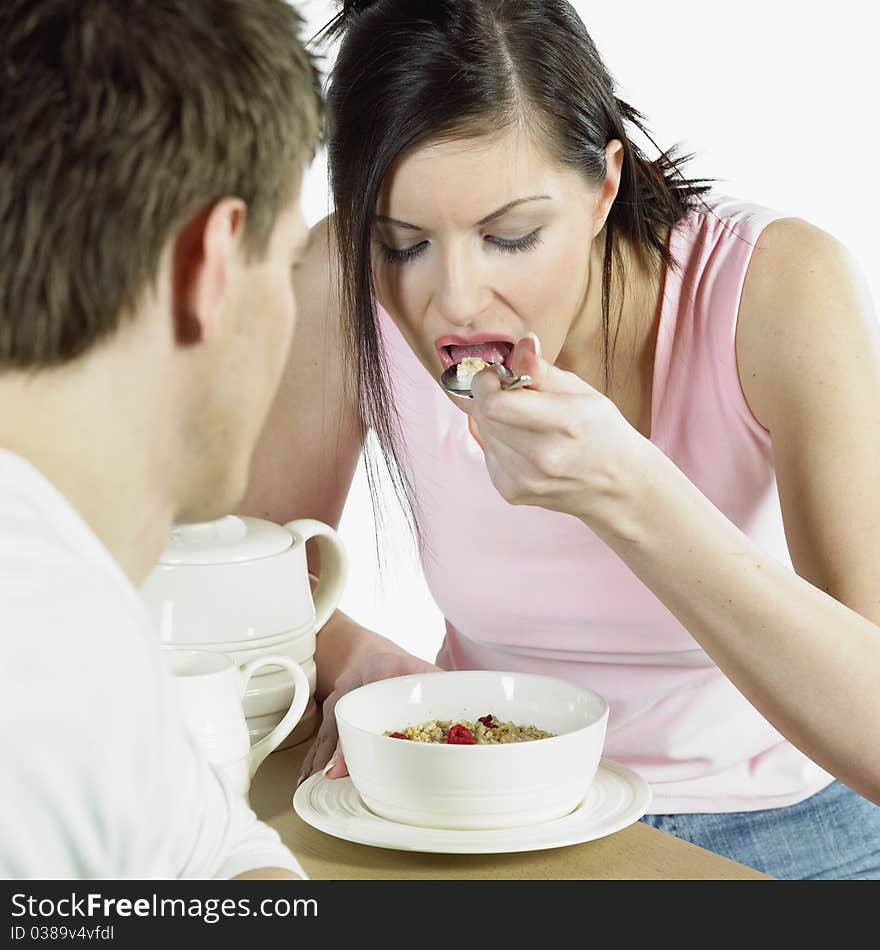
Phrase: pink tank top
(541, 593)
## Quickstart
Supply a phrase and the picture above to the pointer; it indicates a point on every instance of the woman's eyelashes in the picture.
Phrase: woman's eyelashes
(404, 255)
(511, 246)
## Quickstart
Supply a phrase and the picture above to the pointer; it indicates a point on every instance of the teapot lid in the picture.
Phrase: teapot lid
(228, 539)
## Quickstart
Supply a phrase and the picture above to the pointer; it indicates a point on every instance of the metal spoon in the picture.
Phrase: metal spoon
(462, 387)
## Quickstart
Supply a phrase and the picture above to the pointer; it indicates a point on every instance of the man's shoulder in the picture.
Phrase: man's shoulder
(65, 618)
(48, 558)
(76, 679)
(42, 582)
(72, 626)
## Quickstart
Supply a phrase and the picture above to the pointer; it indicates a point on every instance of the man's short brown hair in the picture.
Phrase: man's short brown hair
(119, 120)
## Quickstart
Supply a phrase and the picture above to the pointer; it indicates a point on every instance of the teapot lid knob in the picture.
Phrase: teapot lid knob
(225, 540)
(229, 529)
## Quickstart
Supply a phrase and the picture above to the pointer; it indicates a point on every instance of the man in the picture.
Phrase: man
(151, 157)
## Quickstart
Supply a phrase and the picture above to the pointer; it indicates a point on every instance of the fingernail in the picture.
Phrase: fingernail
(328, 766)
(531, 335)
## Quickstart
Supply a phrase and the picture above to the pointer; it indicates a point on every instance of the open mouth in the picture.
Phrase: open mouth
(490, 351)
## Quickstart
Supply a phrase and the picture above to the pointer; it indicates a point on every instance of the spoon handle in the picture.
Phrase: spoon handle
(517, 382)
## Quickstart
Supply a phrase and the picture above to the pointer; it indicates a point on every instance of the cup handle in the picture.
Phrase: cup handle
(334, 565)
(262, 747)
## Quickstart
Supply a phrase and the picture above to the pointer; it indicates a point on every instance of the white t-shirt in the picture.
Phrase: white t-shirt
(99, 777)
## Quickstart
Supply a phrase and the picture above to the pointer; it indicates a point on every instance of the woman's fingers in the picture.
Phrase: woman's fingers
(326, 748)
(336, 767)
(306, 769)
(525, 360)
(546, 378)
(535, 412)
(325, 742)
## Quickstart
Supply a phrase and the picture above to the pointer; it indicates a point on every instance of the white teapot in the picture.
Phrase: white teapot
(241, 583)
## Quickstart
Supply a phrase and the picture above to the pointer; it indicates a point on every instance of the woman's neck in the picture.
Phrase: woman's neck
(636, 295)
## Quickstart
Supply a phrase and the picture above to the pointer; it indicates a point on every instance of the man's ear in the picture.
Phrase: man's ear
(205, 251)
(611, 185)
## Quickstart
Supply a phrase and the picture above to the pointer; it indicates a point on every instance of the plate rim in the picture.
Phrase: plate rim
(643, 796)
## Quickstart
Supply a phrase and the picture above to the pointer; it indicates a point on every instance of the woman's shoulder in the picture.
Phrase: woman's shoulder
(778, 233)
(769, 282)
(316, 277)
(766, 249)
(794, 259)
(805, 306)
(722, 217)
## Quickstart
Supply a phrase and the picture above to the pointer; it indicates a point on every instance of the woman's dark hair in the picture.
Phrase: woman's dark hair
(410, 72)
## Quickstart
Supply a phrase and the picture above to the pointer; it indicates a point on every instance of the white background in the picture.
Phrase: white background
(779, 102)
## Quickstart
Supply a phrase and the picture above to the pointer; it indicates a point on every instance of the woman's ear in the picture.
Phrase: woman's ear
(608, 190)
(206, 252)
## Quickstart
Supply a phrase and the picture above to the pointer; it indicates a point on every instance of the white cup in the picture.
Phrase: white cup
(210, 688)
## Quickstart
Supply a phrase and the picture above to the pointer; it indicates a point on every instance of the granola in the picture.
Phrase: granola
(467, 368)
(487, 730)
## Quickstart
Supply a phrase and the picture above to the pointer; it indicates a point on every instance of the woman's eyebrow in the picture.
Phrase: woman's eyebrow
(510, 206)
(384, 219)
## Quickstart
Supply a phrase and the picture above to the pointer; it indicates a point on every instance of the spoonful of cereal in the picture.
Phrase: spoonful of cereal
(456, 379)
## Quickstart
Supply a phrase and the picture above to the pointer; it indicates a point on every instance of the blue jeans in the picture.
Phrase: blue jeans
(833, 835)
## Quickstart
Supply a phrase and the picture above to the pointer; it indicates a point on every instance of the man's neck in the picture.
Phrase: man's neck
(97, 440)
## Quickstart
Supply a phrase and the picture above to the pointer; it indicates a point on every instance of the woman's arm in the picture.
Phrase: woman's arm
(808, 349)
(309, 447)
(803, 648)
(303, 468)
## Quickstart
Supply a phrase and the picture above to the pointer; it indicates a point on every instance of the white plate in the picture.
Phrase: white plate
(617, 798)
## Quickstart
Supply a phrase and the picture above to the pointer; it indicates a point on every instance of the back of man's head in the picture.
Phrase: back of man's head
(118, 122)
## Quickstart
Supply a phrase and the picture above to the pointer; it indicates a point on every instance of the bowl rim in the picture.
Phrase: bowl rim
(562, 736)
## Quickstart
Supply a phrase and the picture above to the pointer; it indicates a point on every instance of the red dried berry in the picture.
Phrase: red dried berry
(460, 735)
(397, 735)
(487, 721)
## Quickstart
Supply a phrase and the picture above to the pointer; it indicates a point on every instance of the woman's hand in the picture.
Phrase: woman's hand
(559, 444)
(376, 666)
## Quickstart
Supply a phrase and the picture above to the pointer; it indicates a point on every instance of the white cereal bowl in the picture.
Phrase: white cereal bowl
(472, 786)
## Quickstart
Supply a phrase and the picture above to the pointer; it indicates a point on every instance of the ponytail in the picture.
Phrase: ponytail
(653, 196)
(349, 12)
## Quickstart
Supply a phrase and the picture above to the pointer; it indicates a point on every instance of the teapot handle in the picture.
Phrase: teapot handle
(334, 565)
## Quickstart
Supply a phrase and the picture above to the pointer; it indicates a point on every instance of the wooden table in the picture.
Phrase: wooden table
(637, 852)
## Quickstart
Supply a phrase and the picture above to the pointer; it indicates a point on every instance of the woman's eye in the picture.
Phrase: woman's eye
(402, 255)
(519, 244)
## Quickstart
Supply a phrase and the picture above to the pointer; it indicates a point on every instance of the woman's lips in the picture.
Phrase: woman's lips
(491, 348)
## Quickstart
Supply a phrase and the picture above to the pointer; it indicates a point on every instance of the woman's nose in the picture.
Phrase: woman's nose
(463, 293)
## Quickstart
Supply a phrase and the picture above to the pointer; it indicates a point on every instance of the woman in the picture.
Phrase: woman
(706, 389)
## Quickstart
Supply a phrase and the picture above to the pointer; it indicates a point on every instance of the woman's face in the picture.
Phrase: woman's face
(478, 241)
